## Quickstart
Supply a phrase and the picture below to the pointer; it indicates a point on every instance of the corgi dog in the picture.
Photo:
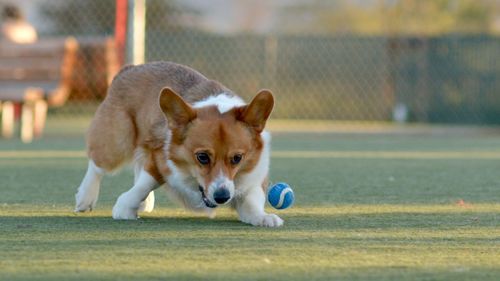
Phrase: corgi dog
(183, 131)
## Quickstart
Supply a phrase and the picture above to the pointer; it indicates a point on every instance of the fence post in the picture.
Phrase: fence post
(137, 40)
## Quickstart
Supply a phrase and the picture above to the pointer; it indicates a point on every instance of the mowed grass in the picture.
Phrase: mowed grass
(413, 205)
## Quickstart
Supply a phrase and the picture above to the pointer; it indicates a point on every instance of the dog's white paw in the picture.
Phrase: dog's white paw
(85, 202)
(122, 209)
(267, 220)
(148, 204)
(146, 207)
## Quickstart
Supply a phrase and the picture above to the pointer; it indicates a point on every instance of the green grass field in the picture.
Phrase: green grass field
(420, 203)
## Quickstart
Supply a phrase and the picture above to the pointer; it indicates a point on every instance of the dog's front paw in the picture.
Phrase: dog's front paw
(267, 220)
(122, 209)
(83, 203)
(86, 199)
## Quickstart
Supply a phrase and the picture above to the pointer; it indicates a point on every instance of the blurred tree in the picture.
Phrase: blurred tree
(96, 17)
(170, 15)
(389, 16)
(438, 16)
(90, 17)
(476, 15)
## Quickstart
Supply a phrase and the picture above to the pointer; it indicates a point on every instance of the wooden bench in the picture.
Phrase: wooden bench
(33, 77)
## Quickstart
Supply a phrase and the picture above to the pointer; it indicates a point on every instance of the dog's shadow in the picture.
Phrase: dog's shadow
(89, 222)
(102, 221)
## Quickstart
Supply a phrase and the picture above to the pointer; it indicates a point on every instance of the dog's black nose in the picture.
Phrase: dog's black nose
(221, 195)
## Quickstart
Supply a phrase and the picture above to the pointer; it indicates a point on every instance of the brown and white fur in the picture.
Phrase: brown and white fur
(183, 131)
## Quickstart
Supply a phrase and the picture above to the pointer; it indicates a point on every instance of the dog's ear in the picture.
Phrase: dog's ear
(257, 112)
(177, 111)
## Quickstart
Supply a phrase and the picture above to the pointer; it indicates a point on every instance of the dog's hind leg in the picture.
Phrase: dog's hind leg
(87, 194)
(110, 144)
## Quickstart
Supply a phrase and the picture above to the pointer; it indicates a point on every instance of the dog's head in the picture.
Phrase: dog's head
(214, 147)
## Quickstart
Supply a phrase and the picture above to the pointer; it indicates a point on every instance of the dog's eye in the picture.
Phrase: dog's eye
(203, 158)
(236, 159)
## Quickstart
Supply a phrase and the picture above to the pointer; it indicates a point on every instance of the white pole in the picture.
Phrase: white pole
(138, 9)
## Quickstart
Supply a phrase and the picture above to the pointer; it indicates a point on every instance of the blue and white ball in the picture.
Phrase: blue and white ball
(280, 196)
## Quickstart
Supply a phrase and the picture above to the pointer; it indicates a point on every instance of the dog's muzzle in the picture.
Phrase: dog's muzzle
(207, 202)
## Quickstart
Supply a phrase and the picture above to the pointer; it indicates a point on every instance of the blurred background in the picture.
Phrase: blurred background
(429, 61)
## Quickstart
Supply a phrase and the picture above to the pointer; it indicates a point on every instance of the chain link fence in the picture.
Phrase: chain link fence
(450, 78)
